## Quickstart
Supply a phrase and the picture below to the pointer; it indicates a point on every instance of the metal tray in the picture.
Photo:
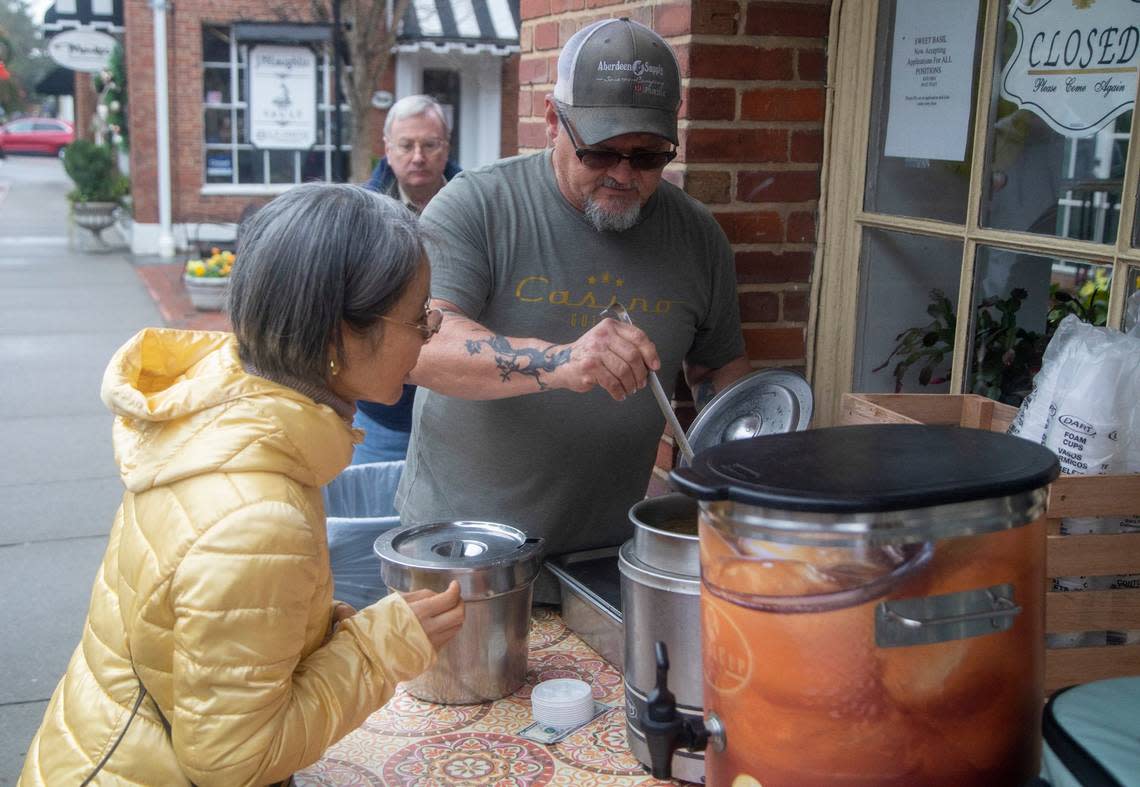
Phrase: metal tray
(591, 600)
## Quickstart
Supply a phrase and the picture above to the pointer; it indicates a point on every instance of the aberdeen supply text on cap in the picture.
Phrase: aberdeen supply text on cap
(619, 77)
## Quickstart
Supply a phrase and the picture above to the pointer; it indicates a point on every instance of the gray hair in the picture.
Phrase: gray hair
(319, 255)
(411, 106)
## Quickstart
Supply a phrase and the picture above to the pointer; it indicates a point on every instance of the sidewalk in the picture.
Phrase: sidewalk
(62, 315)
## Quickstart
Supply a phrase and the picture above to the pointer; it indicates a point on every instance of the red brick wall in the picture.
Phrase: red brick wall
(508, 112)
(140, 109)
(751, 138)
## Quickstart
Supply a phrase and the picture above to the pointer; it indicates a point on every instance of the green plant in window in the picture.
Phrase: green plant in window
(929, 345)
(1006, 357)
(1090, 304)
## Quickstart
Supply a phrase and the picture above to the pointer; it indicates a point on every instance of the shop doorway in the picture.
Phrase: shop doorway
(443, 85)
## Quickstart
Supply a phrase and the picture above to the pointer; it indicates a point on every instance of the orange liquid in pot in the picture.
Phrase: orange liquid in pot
(807, 697)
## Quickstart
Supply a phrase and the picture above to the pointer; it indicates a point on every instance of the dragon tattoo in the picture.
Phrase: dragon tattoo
(520, 360)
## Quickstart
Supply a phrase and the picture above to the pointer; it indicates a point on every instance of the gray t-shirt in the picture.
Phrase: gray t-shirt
(519, 259)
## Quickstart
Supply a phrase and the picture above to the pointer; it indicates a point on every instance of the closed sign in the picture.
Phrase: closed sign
(1076, 61)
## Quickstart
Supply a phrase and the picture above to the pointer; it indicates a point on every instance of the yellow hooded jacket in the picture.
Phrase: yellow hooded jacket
(216, 584)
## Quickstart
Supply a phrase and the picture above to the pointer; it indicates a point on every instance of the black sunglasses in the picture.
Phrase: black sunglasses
(604, 159)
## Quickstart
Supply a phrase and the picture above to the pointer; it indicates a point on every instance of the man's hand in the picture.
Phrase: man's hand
(616, 356)
(469, 361)
(440, 614)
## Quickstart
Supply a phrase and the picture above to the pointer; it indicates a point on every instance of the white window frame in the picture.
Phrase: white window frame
(238, 70)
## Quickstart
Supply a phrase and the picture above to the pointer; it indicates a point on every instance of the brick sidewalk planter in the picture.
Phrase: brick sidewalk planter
(207, 294)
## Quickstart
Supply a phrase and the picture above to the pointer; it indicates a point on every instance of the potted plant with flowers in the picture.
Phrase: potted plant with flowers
(206, 279)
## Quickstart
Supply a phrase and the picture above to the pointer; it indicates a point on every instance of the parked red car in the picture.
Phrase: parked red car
(36, 135)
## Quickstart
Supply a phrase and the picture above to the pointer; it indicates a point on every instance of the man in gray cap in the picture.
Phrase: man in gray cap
(531, 410)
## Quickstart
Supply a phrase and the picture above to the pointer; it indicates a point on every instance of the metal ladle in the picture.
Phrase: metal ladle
(615, 311)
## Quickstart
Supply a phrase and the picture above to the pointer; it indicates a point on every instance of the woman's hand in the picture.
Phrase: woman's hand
(440, 614)
(341, 611)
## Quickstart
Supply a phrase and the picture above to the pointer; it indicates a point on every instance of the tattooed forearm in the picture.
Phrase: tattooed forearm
(703, 394)
(522, 360)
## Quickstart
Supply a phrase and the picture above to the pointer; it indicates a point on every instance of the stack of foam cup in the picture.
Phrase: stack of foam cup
(562, 702)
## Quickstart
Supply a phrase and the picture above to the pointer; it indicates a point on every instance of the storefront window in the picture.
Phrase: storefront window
(922, 109)
(906, 312)
(216, 45)
(1019, 300)
(1136, 226)
(225, 131)
(1132, 304)
(217, 84)
(1032, 237)
(1040, 180)
(283, 166)
(251, 166)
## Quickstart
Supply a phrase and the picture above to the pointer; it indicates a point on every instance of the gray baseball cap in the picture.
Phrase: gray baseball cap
(618, 77)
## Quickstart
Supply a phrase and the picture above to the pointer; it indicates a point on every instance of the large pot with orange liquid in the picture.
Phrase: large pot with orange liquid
(872, 603)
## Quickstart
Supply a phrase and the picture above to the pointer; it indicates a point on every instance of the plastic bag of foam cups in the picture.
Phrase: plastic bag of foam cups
(1085, 407)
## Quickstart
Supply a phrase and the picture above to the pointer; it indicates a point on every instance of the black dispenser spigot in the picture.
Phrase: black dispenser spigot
(665, 729)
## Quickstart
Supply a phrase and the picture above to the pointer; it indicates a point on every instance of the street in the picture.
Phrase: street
(62, 315)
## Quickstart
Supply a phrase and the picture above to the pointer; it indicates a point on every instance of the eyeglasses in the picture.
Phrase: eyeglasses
(604, 159)
(429, 147)
(428, 325)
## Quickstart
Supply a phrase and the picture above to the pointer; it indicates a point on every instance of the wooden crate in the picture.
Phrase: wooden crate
(1066, 556)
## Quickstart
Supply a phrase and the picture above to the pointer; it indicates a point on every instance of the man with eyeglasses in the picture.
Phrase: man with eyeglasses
(416, 167)
(416, 146)
(531, 410)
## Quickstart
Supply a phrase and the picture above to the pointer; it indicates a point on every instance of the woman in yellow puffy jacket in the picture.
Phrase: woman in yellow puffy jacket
(213, 651)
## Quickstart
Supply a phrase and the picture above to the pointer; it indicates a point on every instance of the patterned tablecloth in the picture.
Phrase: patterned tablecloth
(410, 742)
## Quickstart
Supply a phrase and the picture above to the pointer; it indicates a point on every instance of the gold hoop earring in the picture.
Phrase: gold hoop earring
(334, 370)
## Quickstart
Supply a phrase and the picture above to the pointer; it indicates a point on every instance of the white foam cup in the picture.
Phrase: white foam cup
(562, 702)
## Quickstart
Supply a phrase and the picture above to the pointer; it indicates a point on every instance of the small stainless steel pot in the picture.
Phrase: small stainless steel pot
(495, 566)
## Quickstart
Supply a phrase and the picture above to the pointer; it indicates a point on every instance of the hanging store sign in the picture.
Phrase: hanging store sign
(932, 79)
(82, 50)
(282, 97)
(1076, 62)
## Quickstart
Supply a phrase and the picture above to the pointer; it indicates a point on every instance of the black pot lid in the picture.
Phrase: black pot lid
(769, 401)
(866, 469)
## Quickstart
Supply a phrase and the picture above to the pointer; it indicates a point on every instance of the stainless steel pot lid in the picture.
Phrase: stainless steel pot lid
(768, 401)
(487, 558)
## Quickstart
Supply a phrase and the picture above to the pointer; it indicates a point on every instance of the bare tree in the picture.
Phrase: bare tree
(369, 36)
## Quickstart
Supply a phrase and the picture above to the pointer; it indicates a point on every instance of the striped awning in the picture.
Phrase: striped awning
(464, 25)
(104, 15)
